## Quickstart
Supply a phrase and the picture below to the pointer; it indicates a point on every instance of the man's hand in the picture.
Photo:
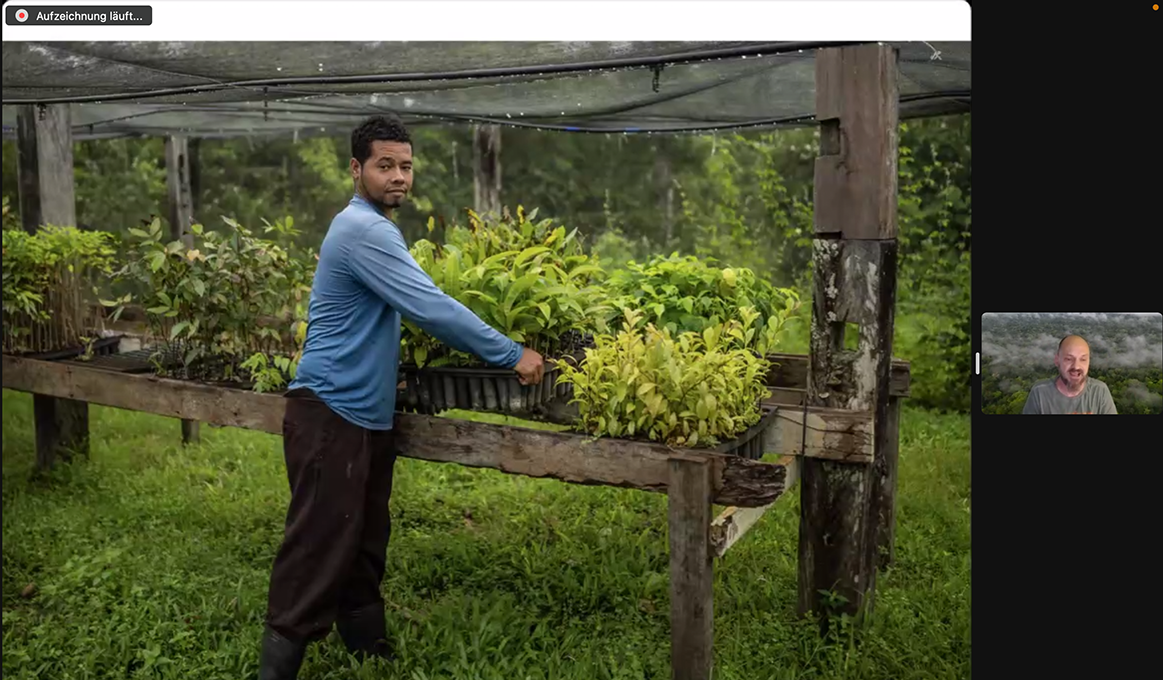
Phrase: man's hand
(531, 367)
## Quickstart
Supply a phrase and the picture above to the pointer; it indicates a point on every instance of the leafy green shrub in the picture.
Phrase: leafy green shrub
(218, 303)
(693, 389)
(10, 218)
(46, 278)
(684, 294)
(488, 235)
(935, 216)
(531, 281)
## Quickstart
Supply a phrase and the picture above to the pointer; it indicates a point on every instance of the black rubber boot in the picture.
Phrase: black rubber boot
(364, 632)
(281, 657)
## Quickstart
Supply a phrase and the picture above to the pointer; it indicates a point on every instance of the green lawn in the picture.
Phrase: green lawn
(151, 561)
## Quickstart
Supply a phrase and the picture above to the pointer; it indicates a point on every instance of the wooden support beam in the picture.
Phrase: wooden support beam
(884, 484)
(858, 286)
(45, 168)
(791, 372)
(689, 497)
(181, 214)
(486, 148)
(181, 202)
(27, 169)
(833, 434)
(854, 259)
(857, 109)
(535, 453)
(733, 522)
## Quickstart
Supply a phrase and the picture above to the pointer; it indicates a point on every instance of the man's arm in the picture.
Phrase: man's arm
(381, 261)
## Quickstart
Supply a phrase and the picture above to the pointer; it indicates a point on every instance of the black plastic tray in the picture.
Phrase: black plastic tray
(101, 348)
(749, 444)
(495, 390)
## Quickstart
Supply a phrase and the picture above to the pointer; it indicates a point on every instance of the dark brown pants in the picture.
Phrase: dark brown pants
(338, 523)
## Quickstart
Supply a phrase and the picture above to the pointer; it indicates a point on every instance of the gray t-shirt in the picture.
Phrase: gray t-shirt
(1095, 398)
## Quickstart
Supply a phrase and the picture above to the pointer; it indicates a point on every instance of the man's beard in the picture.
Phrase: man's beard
(1074, 380)
(377, 202)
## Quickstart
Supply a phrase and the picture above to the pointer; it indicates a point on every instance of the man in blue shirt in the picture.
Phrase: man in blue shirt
(337, 432)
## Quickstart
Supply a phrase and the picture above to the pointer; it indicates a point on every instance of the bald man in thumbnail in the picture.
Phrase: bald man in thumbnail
(1072, 391)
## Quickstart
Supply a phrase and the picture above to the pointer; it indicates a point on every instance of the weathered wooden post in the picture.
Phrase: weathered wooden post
(181, 214)
(45, 168)
(884, 484)
(689, 500)
(486, 148)
(854, 257)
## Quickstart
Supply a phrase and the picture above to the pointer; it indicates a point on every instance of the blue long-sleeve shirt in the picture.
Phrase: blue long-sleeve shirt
(364, 281)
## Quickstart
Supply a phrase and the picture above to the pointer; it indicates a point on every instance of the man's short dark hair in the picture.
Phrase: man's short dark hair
(377, 129)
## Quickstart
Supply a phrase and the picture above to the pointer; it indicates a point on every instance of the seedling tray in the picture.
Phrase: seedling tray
(749, 444)
(101, 348)
(496, 390)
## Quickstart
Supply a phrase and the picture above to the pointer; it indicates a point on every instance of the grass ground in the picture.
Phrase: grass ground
(150, 561)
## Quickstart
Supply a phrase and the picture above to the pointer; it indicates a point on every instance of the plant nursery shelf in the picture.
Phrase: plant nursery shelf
(576, 458)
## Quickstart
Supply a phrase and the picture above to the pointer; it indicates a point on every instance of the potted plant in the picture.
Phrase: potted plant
(48, 277)
(695, 390)
(686, 294)
(212, 306)
(529, 280)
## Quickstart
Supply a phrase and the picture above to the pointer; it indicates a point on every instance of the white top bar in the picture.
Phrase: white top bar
(541, 20)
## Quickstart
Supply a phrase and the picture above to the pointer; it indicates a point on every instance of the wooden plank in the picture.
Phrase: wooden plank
(45, 168)
(486, 146)
(785, 396)
(181, 207)
(791, 372)
(733, 522)
(833, 434)
(856, 173)
(854, 274)
(535, 453)
(691, 570)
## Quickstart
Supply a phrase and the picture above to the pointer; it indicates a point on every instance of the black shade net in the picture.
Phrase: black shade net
(223, 89)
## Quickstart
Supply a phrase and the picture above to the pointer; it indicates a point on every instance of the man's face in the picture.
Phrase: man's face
(386, 175)
(1073, 361)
